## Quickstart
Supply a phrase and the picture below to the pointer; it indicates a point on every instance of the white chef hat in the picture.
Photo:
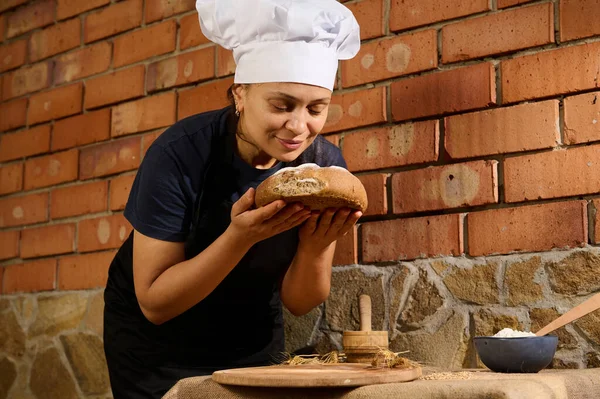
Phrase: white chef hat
(296, 41)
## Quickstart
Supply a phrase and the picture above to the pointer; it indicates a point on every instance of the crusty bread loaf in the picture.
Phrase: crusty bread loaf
(316, 187)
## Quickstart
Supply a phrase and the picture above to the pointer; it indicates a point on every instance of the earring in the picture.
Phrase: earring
(237, 112)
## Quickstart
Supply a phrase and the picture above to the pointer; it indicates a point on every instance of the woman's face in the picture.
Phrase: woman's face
(281, 119)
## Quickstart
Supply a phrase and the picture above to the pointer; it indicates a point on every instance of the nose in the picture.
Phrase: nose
(296, 123)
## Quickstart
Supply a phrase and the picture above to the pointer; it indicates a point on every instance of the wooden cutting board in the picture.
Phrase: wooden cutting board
(314, 375)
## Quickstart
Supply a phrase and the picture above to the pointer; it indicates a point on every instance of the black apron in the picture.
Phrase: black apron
(240, 324)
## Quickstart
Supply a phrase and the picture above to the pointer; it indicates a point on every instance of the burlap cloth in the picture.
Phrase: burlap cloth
(435, 384)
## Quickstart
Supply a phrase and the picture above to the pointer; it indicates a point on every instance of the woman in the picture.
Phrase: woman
(199, 285)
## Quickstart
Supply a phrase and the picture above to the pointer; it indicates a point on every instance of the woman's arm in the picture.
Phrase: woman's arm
(307, 282)
(166, 284)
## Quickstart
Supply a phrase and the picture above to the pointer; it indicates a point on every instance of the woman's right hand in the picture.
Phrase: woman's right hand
(255, 225)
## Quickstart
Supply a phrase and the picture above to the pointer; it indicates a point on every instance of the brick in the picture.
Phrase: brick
(582, 118)
(68, 8)
(225, 62)
(346, 249)
(528, 228)
(498, 33)
(48, 240)
(60, 167)
(190, 34)
(445, 187)
(25, 143)
(55, 103)
(206, 97)
(518, 128)
(109, 21)
(369, 15)
(2, 32)
(82, 63)
(411, 13)
(35, 15)
(355, 109)
(9, 244)
(551, 73)
(81, 129)
(110, 158)
(148, 139)
(23, 210)
(30, 276)
(145, 114)
(579, 19)
(115, 87)
(186, 68)
(79, 200)
(8, 4)
(82, 272)
(120, 187)
(105, 232)
(55, 39)
(552, 174)
(597, 221)
(405, 239)
(26, 80)
(333, 139)
(162, 9)
(400, 145)
(387, 58)
(13, 114)
(510, 3)
(13, 55)
(375, 185)
(145, 43)
(438, 93)
(11, 178)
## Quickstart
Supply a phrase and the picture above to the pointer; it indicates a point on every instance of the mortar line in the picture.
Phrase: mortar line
(557, 22)
(562, 126)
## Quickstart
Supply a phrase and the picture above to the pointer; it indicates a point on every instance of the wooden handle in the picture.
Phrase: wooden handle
(578, 311)
(364, 308)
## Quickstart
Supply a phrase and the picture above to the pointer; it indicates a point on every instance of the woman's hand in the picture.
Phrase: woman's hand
(321, 229)
(255, 225)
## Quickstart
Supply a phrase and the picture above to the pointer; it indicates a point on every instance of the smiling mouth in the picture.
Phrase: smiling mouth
(290, 144)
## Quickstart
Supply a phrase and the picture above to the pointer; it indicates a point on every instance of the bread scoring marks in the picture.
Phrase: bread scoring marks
(298, 168)
(291, 185)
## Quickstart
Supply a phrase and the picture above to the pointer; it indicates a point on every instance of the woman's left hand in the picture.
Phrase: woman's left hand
(321, 229)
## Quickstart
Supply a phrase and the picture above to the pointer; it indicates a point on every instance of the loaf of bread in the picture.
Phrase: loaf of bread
(316, 187)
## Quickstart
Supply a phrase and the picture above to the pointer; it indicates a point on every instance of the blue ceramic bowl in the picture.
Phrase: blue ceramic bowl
(516, 355)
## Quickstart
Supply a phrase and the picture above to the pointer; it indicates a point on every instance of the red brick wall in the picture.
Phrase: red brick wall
(472, 123)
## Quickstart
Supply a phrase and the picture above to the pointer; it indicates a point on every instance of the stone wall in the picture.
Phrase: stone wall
(51, 346)
(433, 308)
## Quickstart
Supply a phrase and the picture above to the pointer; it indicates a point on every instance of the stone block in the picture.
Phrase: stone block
(541, 317)
(85, 353)
(8, 371)
(424, 301)
(521, 282)
(576, 274)
(50, 378)
(299, 330)
(477, 284)
(444, 348)
(12, 336)
(341, 308)
(58, 313)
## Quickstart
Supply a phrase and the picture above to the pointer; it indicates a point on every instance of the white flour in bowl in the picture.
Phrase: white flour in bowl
(510, 333)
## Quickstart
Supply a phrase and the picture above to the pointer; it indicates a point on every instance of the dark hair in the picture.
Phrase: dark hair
(230, 96)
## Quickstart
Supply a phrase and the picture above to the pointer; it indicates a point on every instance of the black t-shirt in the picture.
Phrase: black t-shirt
(240, 322)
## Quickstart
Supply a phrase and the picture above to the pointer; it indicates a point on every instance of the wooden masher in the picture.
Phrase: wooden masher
(362, 346)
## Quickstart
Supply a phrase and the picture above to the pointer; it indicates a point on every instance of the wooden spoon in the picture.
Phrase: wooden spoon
(578, 311)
